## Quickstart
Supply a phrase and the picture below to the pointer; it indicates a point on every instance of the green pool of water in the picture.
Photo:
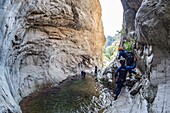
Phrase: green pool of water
(76, 96)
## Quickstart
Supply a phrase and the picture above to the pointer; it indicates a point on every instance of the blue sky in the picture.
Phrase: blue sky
(112, 16)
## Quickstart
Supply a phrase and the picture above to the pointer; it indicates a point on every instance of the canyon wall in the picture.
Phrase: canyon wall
(150, 21)
(42, 42)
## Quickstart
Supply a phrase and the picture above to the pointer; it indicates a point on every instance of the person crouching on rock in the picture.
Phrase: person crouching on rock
(129, 57)
(120, 75)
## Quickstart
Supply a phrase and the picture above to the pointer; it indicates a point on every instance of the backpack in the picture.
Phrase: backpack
(124, 54)
(129, 58)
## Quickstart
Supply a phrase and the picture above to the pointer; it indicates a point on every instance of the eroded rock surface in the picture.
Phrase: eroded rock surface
(130, 9)
(152, 37)
(42, 42)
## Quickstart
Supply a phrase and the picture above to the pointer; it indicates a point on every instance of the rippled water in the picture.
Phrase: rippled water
(76, 96)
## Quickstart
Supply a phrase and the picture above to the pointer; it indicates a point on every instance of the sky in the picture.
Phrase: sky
(112, 16)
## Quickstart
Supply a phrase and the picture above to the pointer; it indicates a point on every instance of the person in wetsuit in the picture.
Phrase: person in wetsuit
(120, 75)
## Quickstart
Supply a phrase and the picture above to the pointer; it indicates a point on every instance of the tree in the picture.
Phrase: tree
(109, 41)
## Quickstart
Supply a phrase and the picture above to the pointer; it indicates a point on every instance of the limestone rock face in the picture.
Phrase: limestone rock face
(130, 8)
(42, 42)
(134, 4)
(152, 21)
(152, 31)
(129, 17)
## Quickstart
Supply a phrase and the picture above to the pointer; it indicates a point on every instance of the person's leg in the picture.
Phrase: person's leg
(129, 64)
(118, 89)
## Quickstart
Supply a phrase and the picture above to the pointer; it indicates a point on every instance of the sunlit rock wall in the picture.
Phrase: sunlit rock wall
(42, 42)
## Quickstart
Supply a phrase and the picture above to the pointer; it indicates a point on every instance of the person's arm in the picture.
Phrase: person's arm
(119, 54)
(116, 73)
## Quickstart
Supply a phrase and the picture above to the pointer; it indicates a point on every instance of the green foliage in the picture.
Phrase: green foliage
(110, 49)
(111, 39)
(109, 52)
(129, 45)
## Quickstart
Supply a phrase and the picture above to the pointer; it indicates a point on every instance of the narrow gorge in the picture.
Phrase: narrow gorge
(43, 42)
